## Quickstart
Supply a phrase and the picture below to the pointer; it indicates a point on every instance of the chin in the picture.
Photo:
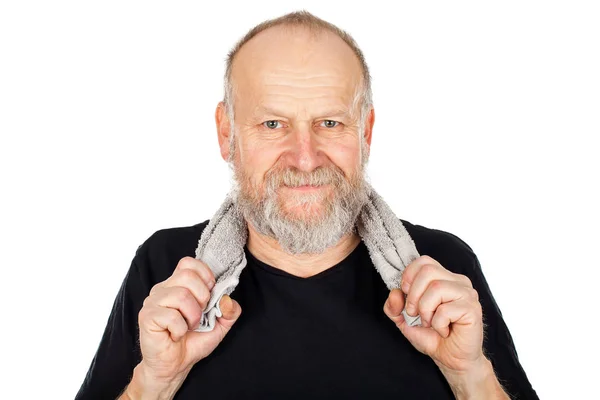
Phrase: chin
(303, 206)
(304, 212)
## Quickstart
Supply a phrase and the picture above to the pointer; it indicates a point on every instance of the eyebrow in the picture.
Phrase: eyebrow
(332, 112)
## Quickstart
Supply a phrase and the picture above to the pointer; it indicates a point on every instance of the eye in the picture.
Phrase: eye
(271, 124)
(330, 123)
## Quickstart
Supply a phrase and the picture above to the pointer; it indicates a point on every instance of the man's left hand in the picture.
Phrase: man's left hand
(451, 315)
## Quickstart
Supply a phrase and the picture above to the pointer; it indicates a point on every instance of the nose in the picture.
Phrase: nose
(305, 153)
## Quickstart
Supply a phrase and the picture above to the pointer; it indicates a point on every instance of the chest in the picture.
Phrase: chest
(318, 342)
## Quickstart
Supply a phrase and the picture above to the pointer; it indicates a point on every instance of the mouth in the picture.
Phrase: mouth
(306, 188)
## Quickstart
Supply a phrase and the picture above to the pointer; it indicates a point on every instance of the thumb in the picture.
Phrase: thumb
(201, 344)
(394, 305)
(423, 339)
(231, 310)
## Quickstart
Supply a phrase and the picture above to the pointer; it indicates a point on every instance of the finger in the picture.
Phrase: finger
(425, 275)
(426, 340)
(190, 280)
(199, 267)
(182, 300)
(460, 312)
(413, 269)
(160, 319)
(439, 292)
(423, 339)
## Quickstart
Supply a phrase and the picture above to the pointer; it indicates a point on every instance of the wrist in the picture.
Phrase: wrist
(145, 386)
(477, 382)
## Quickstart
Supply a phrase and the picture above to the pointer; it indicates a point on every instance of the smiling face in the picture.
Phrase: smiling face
(299, 151)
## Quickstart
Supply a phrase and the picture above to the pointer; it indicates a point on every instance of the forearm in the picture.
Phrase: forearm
(143, 387)
(479, 383)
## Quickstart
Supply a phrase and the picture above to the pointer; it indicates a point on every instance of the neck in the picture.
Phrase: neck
(268, 250)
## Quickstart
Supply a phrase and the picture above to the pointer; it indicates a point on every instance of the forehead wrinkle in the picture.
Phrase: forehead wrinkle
(301, 80)
(329, 99)
(268, 109)
(323, 100)
(302, 74)
(331, 93)
(274, 112)
(286, 86)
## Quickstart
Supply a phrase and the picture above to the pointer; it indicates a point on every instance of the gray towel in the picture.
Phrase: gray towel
(221, 247)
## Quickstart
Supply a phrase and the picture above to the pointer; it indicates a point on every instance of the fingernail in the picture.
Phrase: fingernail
(410, 309)
(211, 284)
(405, 286)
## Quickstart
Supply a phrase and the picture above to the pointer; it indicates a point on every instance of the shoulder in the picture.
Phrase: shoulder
(157, 257)
(445, 247)
(182, 238)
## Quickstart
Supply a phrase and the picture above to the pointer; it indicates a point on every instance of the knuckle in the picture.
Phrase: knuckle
(428, 268)
(411, 300)
(187, 275)
(195, 319)
(205, 297)
(143, 315)
(166, 317)
(204, 270)
(426, 259)
(186, 262)
(172, 316)
(146, 302)
(465, 280)
(436, 284)
(474, 294)
(440, 312)
(155, 288)
(209, 272)
(479, 310)
(182, 295)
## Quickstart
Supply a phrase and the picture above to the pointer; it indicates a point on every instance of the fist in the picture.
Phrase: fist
(170, 346)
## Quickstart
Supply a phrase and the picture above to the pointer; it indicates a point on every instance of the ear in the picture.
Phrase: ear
(369, 126)
(223, 129)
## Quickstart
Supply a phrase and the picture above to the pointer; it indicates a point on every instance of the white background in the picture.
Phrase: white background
(487, 124)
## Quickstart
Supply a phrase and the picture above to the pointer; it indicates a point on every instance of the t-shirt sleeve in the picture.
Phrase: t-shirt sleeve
(119, 351)
(498, 345)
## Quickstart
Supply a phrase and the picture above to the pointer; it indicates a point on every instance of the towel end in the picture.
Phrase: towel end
(411, 321)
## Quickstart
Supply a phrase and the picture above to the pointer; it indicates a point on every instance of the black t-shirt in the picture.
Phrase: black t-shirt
(321, 337)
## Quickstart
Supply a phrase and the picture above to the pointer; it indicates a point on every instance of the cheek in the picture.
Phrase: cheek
(344, 155)
(256, 159)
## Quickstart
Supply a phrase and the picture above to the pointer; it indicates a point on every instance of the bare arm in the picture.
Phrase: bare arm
(481, 383)
(143, 387)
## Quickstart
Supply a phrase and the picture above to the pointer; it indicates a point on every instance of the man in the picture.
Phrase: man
(318, 322)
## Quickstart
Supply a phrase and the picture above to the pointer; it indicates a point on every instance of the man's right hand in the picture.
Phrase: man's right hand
(170, 346)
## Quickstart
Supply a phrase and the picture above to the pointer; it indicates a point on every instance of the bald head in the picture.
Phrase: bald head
(285, 62)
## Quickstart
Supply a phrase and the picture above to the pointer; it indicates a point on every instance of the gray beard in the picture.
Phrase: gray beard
(309, 233)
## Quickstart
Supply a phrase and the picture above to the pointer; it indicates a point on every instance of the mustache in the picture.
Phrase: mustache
(293, 178)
